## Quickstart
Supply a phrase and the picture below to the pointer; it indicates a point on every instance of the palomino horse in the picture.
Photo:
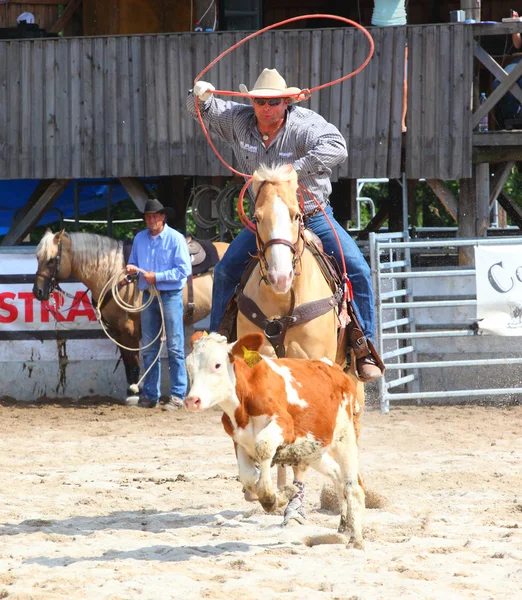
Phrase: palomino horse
(286, 277)
(94, 260)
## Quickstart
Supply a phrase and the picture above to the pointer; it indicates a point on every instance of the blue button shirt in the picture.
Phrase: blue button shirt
(167, 256)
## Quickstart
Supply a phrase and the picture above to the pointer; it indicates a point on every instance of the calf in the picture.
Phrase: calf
(294, 412)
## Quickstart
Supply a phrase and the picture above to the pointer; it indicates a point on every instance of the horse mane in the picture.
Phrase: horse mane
(89, 253)
(273, 174)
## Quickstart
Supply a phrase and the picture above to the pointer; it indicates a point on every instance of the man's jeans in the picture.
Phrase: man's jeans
(228, 271)
(150, 325)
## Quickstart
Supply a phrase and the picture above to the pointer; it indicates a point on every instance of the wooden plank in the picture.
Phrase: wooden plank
(37, 140)
(161, 69)
(498, 138)
(461, 91)
(511, 208)
(151, 134)
(336, 71)
(346, 89)
(496, 95)
(395, 166)
(497, 29)
(15, 109)
(415, 104)
(384, 53)
(67, 14)
(4, 111)
(371, 118)
(443, 169)
(315, 69)
(499, 180)
(495, 69)
(63, 113)
(50, 110)
(87, 112)
(111, 108)
(18, 231)
(40, 2)
(430, 116)
(125, 166)
(445, 195)
(26, 116)
(76, 109)
(100, 134)
(324, 77)
(177, 107)
(358, 115)
(137, 97)
(496, 154)
(136, 190)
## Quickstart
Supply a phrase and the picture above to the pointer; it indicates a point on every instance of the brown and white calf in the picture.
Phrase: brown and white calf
(295, 412)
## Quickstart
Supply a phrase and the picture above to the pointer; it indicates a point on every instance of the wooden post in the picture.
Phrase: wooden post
(472, 9)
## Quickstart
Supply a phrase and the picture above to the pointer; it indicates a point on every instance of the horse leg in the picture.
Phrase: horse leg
(131, 361)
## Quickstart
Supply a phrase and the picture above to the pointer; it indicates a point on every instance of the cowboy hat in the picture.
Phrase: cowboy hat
(155, 206)
(268, 84)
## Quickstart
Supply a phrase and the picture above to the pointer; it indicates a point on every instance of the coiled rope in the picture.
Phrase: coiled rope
(113, 285)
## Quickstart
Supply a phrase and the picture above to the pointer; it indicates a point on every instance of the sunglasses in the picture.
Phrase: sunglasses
(271, 101)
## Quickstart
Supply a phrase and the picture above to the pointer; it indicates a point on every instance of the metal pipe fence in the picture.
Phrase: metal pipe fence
(401, 293)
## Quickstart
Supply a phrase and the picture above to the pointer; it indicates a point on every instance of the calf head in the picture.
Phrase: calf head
(210, 368)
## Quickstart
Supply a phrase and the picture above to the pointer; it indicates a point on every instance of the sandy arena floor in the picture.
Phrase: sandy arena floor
(105, 501)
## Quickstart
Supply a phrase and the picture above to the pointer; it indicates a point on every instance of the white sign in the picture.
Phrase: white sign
(21, 311)
(499, 289)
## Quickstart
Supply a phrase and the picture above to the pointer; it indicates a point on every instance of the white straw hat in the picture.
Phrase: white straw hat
(268, 84)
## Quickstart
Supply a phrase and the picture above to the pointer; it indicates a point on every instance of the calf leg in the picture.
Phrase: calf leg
(267, 442)
(351, 494)
(248, 474)
(296, 507)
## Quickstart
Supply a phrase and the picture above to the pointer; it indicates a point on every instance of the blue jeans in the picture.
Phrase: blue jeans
(228, 271)
(150, 325)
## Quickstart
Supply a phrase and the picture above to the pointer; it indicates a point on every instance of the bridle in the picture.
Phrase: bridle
(53, 274)
(262, 247)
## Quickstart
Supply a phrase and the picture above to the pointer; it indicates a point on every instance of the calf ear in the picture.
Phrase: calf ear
(251, 341)
(196, 336)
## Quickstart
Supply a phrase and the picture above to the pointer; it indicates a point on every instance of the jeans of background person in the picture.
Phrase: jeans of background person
(150, 325)
(508, 107)
(228, 271)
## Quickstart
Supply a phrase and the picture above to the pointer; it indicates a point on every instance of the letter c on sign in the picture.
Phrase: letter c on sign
(496, 283)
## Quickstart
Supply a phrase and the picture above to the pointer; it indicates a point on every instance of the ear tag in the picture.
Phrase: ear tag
(252, 357)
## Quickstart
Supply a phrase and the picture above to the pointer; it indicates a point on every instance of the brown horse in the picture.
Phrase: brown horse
(94, 260)
(286, 277)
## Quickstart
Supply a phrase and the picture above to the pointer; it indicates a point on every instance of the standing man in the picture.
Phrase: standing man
(273, 131)
(162, 253)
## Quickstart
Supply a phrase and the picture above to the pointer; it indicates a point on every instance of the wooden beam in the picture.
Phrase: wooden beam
(498, 138)
(497, 154)
(482, 199)
(499, 180)
(471, 8)
(45, 2)
(136, 190)
(376, 223)
(493, 67)
(20, 229)
(511, 208)
(496, 95)
(445, 195)
(497, 29)
(66, 16)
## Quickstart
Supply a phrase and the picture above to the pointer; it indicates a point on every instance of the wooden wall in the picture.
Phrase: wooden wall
(45, 13)
(115, 106)
(111, 17)
(440, 71)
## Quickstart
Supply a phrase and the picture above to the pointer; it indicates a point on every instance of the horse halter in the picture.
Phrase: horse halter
(52, 276)
(263, 246)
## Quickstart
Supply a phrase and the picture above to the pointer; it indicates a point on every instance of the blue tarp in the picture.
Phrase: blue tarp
(92, 196)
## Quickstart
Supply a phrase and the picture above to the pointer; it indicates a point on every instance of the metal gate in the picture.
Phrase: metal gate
(446, 299)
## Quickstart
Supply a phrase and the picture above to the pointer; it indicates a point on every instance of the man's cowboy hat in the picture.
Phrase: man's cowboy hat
(268, 84)
(155, 206)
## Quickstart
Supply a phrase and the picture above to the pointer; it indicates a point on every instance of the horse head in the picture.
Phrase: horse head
(54, 264)
(279, 225)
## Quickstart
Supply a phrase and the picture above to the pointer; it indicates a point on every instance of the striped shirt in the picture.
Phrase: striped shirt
(306, 140)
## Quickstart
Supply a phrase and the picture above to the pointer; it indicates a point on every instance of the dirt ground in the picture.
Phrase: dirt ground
(113, 502)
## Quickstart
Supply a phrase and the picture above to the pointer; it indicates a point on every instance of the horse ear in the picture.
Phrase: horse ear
(256, 182)
(197, 336)
(58, 236)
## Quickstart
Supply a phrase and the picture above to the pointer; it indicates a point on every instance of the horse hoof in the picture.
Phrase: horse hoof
(131, 400)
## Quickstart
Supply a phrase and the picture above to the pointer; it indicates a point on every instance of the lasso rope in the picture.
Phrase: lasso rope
(303, 95)
(113, 285)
